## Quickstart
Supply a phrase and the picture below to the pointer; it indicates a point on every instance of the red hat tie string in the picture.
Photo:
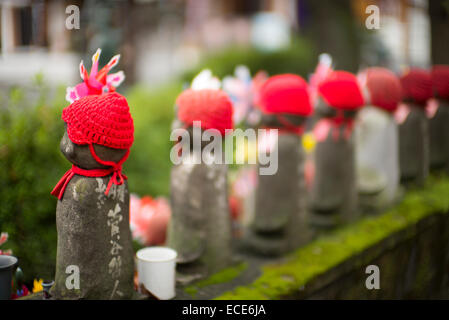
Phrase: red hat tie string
(324, 125)
(288, 127)
(118, 178)
(116, 168)
(58, 190)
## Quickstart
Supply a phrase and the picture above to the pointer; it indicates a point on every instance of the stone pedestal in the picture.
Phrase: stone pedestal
(333, 195)
(200, 225)
(280, 221)
(414, 145)
(439, 136)
(377, 158)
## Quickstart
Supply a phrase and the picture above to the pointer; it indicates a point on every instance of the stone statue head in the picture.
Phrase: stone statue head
(81, 156)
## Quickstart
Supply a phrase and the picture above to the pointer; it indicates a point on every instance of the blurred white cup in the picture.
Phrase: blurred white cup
(156, 268)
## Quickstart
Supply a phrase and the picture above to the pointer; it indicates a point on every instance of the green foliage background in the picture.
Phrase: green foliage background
(300, 58)
(31, 162)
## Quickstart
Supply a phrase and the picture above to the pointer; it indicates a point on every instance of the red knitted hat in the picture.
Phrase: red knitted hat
(417, 85)
(384, 88)
(100, 119)
(285, 93)
(341, 91)
(440, 79)
(212, 107)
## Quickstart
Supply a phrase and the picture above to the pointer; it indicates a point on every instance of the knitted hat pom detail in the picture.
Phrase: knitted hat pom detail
(285, 93)
(341, 91)
(104, 119)
(211, 107)
(440, 79)
(384, 88)
(417, 85)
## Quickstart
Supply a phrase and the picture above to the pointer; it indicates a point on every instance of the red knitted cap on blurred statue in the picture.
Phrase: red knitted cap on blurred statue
(384, 88)
(210, 106)
(440, 79)
(285, 93)
(341, 91)
(417, 85)
(101, 119)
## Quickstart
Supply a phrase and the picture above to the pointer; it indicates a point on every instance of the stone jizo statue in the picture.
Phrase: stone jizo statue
(333, 192)
(377, 142)
(95, 258)
(280, 217)
(438, 114)
(414, 126)
(200, 225)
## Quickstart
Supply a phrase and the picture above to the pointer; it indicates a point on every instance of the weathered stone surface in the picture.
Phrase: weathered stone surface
(439, 136)
(334, 194)
(200, 225)
(414, 146)
(377, 158)
(93, 231)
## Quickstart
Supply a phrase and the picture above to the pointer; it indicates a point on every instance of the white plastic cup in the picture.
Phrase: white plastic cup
(156, 267)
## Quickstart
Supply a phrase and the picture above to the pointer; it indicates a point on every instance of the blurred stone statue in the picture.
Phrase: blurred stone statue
(414, 126)
(377, 142)
(200, 225)
(333, 193)
(438, 114)
(280, 221)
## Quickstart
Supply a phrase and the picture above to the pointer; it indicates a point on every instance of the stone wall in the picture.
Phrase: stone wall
(409, 243)
(413, 264)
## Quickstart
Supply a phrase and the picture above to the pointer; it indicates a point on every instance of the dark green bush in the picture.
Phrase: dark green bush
(30, 165)
(299, 58)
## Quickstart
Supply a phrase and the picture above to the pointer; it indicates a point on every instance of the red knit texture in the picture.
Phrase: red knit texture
(212, 107)
(341, 91)
(285, 93)
(417, 85)
(100, 119)
(440, 79)
(384, 87)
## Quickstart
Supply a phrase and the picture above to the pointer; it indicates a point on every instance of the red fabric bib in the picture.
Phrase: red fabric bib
(325, 125)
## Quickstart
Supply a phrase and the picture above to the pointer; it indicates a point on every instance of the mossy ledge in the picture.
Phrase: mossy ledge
(222, 276)
(328, 251)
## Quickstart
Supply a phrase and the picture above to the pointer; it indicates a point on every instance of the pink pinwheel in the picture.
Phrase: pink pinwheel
(242, 90)
(97, 82)
(322, 70)
(149, 219)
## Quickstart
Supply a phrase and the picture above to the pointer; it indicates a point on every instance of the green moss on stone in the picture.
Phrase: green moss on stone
(278, 280)
(222, 276)
(81, 189)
